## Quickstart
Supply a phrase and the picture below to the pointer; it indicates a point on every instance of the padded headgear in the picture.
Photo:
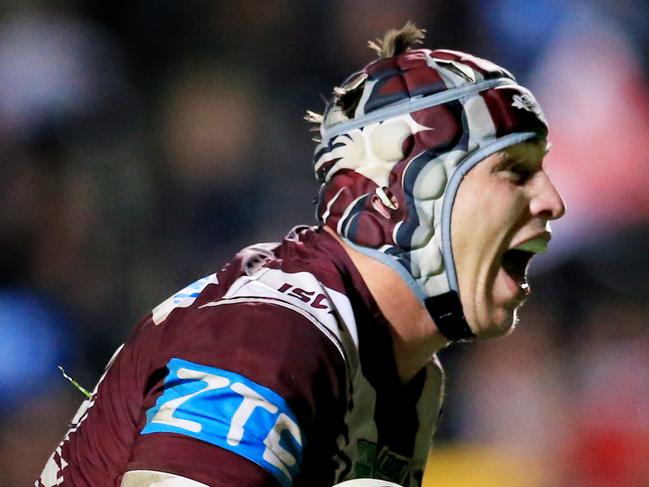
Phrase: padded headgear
(396, 141)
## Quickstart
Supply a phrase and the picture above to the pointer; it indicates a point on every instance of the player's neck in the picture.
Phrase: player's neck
(414, 334)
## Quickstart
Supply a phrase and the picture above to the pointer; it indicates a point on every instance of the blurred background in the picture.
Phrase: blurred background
(143, 142)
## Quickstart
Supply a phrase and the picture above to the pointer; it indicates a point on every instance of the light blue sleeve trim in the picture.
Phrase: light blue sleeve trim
(451, 190)
(228, 410)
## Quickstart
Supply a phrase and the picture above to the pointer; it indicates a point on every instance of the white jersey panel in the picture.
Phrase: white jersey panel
(302, 290)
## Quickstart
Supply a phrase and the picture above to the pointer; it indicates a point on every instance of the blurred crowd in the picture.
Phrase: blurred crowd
(143, 143)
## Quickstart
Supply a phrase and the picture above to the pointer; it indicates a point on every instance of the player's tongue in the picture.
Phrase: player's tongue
(516, 260)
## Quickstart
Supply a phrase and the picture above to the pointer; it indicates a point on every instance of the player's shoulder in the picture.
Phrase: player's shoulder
(287, 299)
(287, 291)
(269, 311)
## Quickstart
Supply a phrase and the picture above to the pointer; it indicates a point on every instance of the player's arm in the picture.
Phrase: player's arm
(241, 399)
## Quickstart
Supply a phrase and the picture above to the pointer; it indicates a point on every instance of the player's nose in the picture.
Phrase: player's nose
(547, 201)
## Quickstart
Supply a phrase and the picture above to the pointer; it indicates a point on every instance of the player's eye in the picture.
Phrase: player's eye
(519, 172)
(516, 171)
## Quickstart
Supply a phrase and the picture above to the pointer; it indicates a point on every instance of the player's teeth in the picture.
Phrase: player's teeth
(537, 245)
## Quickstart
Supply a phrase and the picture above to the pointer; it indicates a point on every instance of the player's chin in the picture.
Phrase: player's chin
(498, 310)
(501, 322)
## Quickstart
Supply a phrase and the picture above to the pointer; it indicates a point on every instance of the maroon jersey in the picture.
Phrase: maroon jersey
(277, 370)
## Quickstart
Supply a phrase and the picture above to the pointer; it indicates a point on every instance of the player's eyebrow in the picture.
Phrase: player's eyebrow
(508, 161)
(505, 161)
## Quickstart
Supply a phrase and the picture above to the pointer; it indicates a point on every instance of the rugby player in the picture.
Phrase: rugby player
(312, 361)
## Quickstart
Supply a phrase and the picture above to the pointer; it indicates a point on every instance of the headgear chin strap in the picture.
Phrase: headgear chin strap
(391, 162)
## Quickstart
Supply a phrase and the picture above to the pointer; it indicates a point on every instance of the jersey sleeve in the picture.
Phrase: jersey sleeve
(249, 394)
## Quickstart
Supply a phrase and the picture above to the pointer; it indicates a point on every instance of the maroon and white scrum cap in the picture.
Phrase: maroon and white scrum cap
(396, 140)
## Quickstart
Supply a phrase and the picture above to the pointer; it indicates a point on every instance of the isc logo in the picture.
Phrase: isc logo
(318, 301)
(232, 412)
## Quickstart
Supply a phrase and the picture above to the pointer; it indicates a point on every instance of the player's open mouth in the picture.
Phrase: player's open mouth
(515, 261)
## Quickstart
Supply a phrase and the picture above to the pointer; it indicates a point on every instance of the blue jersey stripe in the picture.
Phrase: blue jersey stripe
(232, 412)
